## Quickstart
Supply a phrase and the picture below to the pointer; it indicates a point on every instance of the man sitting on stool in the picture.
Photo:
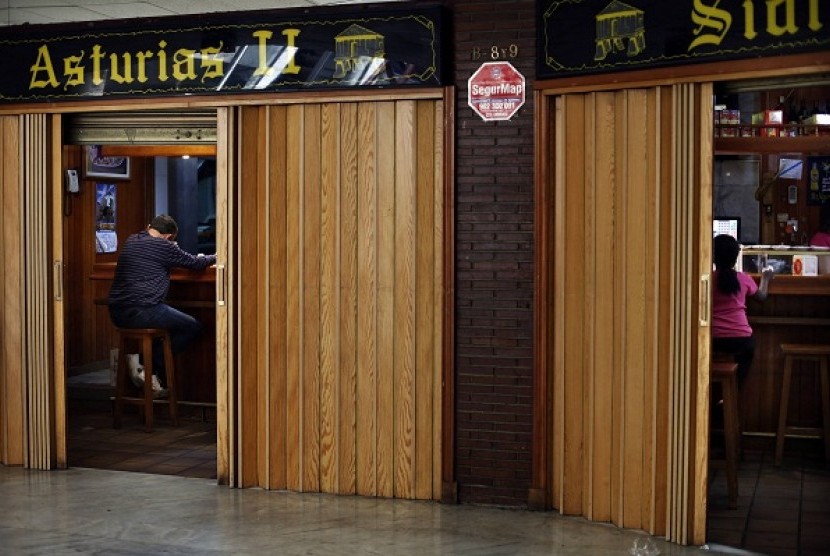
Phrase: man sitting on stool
(142, 278)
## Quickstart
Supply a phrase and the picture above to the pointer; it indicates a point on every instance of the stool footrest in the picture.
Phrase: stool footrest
(819, 350)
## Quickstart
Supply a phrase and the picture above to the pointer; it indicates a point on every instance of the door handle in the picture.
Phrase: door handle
(58, 276)
(705, 300)
(220, 285)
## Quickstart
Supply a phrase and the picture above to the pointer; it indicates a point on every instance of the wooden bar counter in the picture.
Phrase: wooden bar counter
(797, 311)
(193, 292)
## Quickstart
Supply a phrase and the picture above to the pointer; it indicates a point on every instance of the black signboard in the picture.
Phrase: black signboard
(243, 52)
(595, 36)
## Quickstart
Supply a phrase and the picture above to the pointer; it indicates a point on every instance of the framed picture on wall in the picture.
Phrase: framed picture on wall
(110, 167)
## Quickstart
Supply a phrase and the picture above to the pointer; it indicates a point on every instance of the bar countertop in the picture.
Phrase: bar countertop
(106, 271)
(785, 284)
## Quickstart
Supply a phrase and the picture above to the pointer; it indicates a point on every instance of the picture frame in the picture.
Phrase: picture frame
(109, 167)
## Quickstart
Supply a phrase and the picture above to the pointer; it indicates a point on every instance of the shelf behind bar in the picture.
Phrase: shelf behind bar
(773, 145)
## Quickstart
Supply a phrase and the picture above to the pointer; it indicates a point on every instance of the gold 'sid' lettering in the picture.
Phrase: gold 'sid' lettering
(782, 18)
(712, 23)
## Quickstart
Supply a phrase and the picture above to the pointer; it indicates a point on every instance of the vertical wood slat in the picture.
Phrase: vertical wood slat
(13, 404)
(386, 330)
(405, 280)
(294, 292)
(701, 153)
(248, 308)
(349, 335)
(367, 306)
(572, 384)
(56, 363)
(425, 262)
(311, 311)
(601, 222)
(440, 214)
(225, 352)
(277, 298)
(329, 298)
(354, 290)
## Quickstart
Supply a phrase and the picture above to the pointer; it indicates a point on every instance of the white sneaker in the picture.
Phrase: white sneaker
(136, 370)
(158, 391)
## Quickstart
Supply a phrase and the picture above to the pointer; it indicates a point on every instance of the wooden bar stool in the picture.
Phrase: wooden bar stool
(725, 372)
(816, 353)
(142, 340)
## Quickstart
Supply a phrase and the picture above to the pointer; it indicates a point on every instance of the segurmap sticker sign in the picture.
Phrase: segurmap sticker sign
(496, 91)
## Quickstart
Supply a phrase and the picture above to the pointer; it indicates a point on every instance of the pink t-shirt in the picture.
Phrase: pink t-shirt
(729, 311)
(820, 239)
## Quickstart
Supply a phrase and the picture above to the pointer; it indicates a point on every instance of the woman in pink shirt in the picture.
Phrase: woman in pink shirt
(731, 332)
(822, 237)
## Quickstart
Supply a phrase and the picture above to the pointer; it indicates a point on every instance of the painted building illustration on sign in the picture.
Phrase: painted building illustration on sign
(620, 27)
(358, 48)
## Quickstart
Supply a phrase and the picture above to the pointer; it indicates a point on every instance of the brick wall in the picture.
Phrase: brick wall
(494, 262)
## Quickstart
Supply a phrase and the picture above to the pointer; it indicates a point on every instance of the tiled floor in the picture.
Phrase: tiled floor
(782, 511)
(188, 450)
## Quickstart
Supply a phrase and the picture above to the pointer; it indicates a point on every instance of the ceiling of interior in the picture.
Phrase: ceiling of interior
(19, 12)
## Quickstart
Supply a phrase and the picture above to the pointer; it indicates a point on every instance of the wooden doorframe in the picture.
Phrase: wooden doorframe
(58, 292)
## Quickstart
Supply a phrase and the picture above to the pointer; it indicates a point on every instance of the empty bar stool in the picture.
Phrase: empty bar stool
(815, 353)
(142, 340)
(725, 372)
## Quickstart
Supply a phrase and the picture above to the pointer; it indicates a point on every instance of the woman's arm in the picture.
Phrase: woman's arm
(763, 287)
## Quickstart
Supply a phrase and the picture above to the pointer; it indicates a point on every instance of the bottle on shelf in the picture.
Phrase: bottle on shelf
(803, 115)
(814, 177)
(792, 118)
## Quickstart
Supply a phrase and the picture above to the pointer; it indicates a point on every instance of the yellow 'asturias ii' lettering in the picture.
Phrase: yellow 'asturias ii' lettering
(183, 67)
(262, 52)
(73, 70)
(43, 64)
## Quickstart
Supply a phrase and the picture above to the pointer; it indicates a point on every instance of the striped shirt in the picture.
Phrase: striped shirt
(142, 275)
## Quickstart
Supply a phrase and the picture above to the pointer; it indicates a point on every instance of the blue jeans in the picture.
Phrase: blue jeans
(182, 327)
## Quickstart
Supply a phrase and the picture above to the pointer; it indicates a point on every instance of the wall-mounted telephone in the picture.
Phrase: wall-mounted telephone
(72, 185)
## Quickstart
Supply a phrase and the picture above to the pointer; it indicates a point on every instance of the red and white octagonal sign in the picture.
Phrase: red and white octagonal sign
(496, 91)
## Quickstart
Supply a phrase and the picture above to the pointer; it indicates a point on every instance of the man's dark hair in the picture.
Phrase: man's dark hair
(164, 224)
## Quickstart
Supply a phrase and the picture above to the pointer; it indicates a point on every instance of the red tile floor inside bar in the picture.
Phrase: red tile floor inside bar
(782, 511)
(187, 450)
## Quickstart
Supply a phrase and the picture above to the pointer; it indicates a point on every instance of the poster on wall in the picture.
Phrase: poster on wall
(110, 167)
(818, 180)
(106, 240)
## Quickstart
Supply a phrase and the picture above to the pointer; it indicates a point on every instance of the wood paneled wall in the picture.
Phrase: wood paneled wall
(616, 246)
(88, 329)
(12, 378)
(340, 297)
